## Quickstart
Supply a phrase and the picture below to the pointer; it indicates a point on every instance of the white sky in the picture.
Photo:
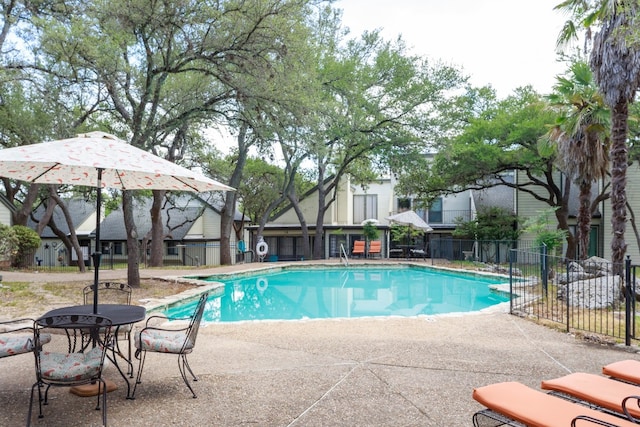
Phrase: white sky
(504, 43)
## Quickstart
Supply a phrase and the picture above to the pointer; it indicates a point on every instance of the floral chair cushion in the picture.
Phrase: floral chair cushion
(71, 367)
(162, 341)
(12, 344)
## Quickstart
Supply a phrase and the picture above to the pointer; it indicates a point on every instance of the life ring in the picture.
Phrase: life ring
(262, 284)
(262, 248)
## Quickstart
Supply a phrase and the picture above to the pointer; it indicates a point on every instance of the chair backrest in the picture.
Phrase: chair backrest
(65, 333)
(109, 293)
(375, 246)
(194, 323)
(358, 246)
(16, 337)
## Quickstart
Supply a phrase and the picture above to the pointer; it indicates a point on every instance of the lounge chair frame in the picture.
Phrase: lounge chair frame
(601, 393)
(514, 404)
(489, 418)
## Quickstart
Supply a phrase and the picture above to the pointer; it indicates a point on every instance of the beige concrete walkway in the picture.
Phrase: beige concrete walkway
(358, 372)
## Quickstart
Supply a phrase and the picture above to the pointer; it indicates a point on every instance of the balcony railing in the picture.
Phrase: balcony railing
(446, 217)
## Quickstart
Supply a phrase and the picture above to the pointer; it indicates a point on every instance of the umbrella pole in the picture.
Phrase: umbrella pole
(97, 252)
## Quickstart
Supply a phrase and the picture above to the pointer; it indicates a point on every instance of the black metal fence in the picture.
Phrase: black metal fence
(192, 254)
(584, 296)
(483, 251)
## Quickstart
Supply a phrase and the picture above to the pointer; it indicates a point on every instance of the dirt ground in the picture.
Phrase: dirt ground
(28, 299)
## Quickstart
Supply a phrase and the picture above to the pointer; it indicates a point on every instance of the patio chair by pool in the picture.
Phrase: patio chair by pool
(67, 360)
(243, 250)
(16, 337)
(375, 248)
(627, 370)
(175, 340)
(114, 293)
(510, 403)
(418, 253)
(358, 248)
(605, 393)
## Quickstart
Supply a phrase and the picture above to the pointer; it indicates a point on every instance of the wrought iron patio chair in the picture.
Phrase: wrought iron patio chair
(114, 293)
(171, 340)
(68, 360)
(16, 337)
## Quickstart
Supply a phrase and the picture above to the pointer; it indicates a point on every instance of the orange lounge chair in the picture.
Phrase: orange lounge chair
(516, 402)
(624, 370)
(615, 396)
(358, 248)
(375, 248)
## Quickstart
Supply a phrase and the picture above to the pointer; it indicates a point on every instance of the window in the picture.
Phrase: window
(117, 248)
(365, 207)
(172, 248)
(404, 204)
(435, 211)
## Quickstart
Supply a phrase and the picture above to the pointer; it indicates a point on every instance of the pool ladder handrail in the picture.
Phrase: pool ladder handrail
(343, 256)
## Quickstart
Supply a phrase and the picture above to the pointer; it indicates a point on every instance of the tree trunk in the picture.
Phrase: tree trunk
(318, 252)
(46, 217)
(21, 216)
(156, 258)
(562, 215)
(619, 157)
(133, 246)
(584, 219)
(74, 236)
(632, 222)
(303, 226)
(229, 210)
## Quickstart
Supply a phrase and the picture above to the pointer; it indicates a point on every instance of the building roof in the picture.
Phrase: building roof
(79, 209)
(177, 221)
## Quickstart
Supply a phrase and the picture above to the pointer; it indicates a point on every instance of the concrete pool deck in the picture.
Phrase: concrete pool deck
(356, 372)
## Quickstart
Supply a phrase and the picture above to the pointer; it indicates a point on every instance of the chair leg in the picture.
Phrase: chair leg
(31, 403)
(141, 355)
(183, 366)
(129, 353)
(103, 384)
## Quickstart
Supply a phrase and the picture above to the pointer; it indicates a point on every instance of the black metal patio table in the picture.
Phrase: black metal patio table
(120, 315)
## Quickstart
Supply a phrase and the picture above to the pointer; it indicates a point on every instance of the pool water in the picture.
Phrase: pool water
(321, 293)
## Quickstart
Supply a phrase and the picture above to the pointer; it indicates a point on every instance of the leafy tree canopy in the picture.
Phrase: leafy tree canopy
(491, 223)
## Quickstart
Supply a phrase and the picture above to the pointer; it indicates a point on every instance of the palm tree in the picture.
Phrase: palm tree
(615, 62)
(581, 134)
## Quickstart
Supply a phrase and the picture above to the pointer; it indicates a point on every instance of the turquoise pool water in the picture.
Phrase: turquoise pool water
(321, 293)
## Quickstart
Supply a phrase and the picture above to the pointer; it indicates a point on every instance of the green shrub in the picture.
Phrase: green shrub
(28, 241)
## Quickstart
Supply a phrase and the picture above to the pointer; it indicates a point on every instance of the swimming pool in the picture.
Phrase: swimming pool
(320, 293)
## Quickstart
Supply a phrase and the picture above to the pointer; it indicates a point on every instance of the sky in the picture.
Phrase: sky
(502, 43)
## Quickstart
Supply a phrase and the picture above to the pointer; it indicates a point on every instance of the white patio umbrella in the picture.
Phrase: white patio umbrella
(101, 160)
(411, 219)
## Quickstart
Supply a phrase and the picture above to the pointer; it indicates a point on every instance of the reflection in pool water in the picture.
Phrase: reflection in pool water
(346, 292)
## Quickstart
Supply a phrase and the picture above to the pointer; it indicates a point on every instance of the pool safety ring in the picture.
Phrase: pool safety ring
(262, 284)
(262, 248)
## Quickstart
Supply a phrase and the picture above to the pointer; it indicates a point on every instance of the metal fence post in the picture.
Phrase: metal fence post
(628, 300)
(544, 270)
(512, 254)
(567, 295)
